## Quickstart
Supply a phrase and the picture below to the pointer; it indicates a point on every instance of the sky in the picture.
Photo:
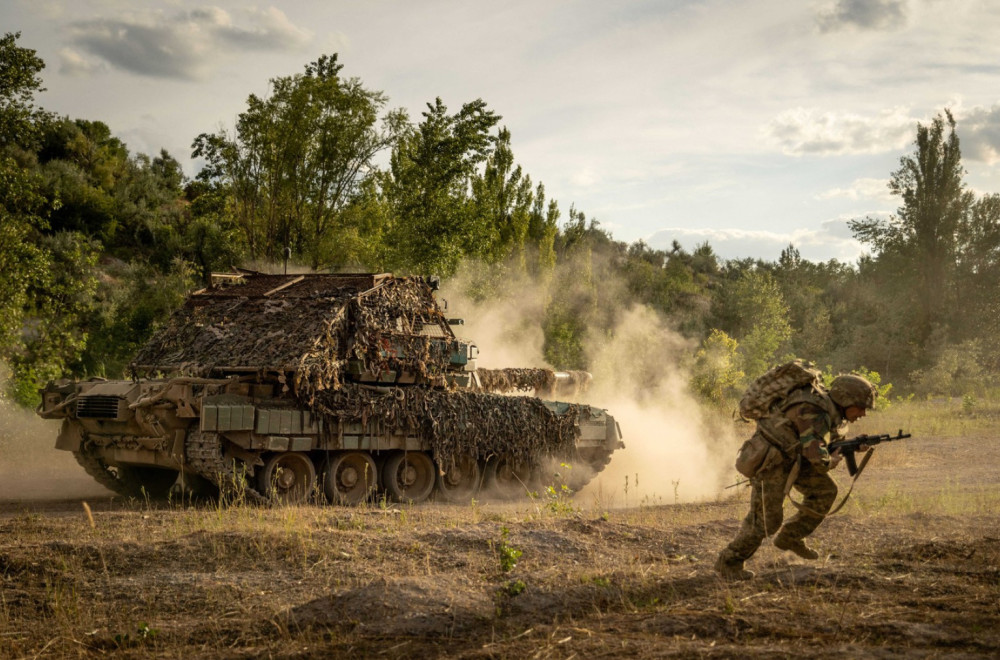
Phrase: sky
(750, 124)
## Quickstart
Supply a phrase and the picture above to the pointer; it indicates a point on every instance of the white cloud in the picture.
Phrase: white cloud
(832, 240)
(979, 131)
(269, 29)
(876, 189)
(73, 63)
(808, 131)
(187, 45)
(863, 15)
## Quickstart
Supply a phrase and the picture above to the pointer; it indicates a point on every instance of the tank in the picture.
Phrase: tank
(340, 387)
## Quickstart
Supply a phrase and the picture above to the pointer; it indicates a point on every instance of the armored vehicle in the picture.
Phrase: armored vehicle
(286, 386)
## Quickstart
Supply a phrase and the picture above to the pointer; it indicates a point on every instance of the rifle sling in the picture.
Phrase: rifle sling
(804, 509)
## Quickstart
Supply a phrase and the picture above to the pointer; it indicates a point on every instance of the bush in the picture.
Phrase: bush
(957, 371)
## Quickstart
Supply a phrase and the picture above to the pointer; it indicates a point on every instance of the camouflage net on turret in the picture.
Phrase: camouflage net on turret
(542, 382)
(303, 332)
(456, 423)
(502, 381)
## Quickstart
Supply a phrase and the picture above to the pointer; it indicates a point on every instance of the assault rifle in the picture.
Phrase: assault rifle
(848, 447)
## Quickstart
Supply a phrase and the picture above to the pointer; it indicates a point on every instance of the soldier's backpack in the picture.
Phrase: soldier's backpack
(767, 392)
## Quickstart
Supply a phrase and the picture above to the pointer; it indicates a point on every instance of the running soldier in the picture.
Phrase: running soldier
(799, 428)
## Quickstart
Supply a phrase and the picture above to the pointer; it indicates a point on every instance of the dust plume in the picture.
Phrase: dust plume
(31, 468)
(676, 450)
(507, 330)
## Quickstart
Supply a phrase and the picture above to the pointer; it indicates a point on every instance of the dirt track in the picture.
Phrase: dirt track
(910, 569)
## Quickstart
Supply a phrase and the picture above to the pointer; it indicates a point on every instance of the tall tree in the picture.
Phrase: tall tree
(23, 206)
(298, 157)
(979, 273)
(503, 200)
(428, 186)
(751, 309)
(19, 81)
(922, 237)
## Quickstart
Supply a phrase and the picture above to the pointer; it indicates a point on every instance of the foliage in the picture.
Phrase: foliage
(143, 634)
(752, 310)
(956, 371)
(22, 261)
(298, 158)
(19, 80)
(130, 303)
(433, 224)
(921, 240)
(60, 298)
(507, 554)
(716, 375)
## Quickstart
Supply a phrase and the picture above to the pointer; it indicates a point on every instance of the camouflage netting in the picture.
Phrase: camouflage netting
(516, 380)
(251, 334)
(457, 423)
(306, 326)
(543, 382)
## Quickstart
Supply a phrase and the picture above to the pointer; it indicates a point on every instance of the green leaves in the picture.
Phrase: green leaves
(19, 80)
(434, 220)
(298, 158)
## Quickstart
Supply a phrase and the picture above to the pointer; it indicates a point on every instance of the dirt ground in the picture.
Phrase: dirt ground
(910, 568)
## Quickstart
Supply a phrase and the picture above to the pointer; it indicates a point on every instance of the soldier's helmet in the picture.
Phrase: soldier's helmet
(852, 390)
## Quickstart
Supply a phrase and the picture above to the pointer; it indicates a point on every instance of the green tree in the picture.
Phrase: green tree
(979, 274)
(59, 300)
(298, 157)
(427, 187)
(716, 374)
(502, 204)
(19, 81)
(922, 238)
(22, 262)
(130, 302)
(752, 310)
(543, 226)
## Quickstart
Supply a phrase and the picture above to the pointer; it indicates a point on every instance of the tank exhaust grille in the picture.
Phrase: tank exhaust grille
(98, 406)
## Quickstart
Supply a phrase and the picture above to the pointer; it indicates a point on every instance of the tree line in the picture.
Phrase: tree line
(98, 245)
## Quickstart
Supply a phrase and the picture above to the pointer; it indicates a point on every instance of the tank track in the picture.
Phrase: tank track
(203, 456)
(103, 474)
(595, 466)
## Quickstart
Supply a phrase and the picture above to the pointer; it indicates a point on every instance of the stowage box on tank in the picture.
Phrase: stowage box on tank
(281, 386)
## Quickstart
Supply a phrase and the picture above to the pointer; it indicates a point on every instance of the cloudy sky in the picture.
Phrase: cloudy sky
(747, 123)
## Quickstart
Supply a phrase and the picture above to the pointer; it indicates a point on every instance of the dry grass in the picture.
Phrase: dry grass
(909, 568)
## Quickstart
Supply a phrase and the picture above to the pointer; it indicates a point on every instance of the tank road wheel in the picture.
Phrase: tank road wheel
(507, 478)
(408, 476)
(460, 481)
(288, 477)
(351, 478)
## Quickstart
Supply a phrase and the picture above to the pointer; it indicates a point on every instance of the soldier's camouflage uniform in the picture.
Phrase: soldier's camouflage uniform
(809, 421)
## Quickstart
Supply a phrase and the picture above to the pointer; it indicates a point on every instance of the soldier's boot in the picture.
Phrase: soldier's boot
(731, 570)
(798, 546)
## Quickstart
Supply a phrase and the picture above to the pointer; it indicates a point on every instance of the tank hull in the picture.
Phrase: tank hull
(226, 433)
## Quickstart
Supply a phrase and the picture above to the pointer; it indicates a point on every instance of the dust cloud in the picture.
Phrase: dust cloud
(507, 331)
(676, 450)
(31, 468)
